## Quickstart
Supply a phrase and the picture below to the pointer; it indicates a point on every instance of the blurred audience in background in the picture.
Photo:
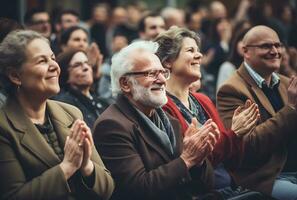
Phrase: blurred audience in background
(77, 79)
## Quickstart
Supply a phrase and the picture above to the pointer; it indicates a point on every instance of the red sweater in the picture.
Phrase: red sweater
(228, 148)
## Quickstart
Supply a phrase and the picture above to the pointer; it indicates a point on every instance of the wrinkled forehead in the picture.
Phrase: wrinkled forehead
(38, 47)
(145, 60)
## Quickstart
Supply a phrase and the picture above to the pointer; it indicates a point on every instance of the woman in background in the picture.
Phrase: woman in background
(77, 38)
(77, 79)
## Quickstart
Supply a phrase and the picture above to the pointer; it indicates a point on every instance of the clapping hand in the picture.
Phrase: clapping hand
(87, 166)
(245, 118)
(78, 150)
(73, 151)
(199, 142)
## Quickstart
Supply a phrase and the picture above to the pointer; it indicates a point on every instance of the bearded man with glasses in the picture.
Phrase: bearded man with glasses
(140, 143)
(273, 169)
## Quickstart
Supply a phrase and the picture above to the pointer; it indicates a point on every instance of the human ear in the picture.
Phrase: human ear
(167, 65)
(125, 84)
(244, 49)
(14, 76)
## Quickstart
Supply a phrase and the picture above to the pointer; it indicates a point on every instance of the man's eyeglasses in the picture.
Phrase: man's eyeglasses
(40, 22)
(151, 73)
(267, 46)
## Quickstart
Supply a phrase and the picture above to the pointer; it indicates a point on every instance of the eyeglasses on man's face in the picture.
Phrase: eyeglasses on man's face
(40, 22)
(151, 73)
(267, 46)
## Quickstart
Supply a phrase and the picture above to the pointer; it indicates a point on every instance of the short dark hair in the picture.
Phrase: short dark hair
(65, 12)
(8, 25)
(67, 33)
(141, 24)
(29, 15)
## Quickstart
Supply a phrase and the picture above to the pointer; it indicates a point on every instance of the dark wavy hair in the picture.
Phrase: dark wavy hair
(63, 60)
(65, 36)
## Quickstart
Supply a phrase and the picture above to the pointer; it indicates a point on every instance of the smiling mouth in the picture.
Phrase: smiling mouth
(158, 89)
(52, 77)
(195, 64)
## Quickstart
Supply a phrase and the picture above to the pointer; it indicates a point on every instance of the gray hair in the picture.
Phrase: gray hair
(13, 52)
(123, 62)
(170, 43)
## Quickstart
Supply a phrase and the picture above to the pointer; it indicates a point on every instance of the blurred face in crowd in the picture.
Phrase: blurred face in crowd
(134, 14)
(80, 72)
(68, 20)
(41, 24)
(263, 50)
(100, 14)
(153, 26)
(187, 64)
(119, 42)
(223, 26)
(148, 89)
(78, 40)
(218, 10)
(195, 21)
(39, 75)
(119, 16)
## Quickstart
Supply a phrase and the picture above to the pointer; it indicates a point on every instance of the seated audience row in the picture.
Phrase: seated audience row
(159, 140)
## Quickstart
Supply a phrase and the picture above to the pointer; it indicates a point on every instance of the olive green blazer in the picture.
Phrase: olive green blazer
(29, 168)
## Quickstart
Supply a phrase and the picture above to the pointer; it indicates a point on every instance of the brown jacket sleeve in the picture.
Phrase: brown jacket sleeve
(269, 133)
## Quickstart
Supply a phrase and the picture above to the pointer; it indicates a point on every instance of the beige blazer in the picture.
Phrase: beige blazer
(266, 143)
(29, 168)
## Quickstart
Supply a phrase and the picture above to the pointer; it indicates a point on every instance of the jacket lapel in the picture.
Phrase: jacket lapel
(127, 109)
(258, 92)
(282, 88)
(61, 121)
(178, 134)
(32, 140)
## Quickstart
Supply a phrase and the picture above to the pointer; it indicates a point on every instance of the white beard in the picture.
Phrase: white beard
(146, 97)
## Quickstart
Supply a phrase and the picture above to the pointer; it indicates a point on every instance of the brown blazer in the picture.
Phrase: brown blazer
(29, 168)
(266, 143)
(139, 164)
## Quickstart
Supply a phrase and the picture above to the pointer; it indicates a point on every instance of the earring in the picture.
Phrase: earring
(18, 87)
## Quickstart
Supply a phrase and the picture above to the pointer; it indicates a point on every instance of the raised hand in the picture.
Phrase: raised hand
(73, 150)
(95, 59)
(193, 128)
(245, 118)
(87, 165)
(198, 145)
